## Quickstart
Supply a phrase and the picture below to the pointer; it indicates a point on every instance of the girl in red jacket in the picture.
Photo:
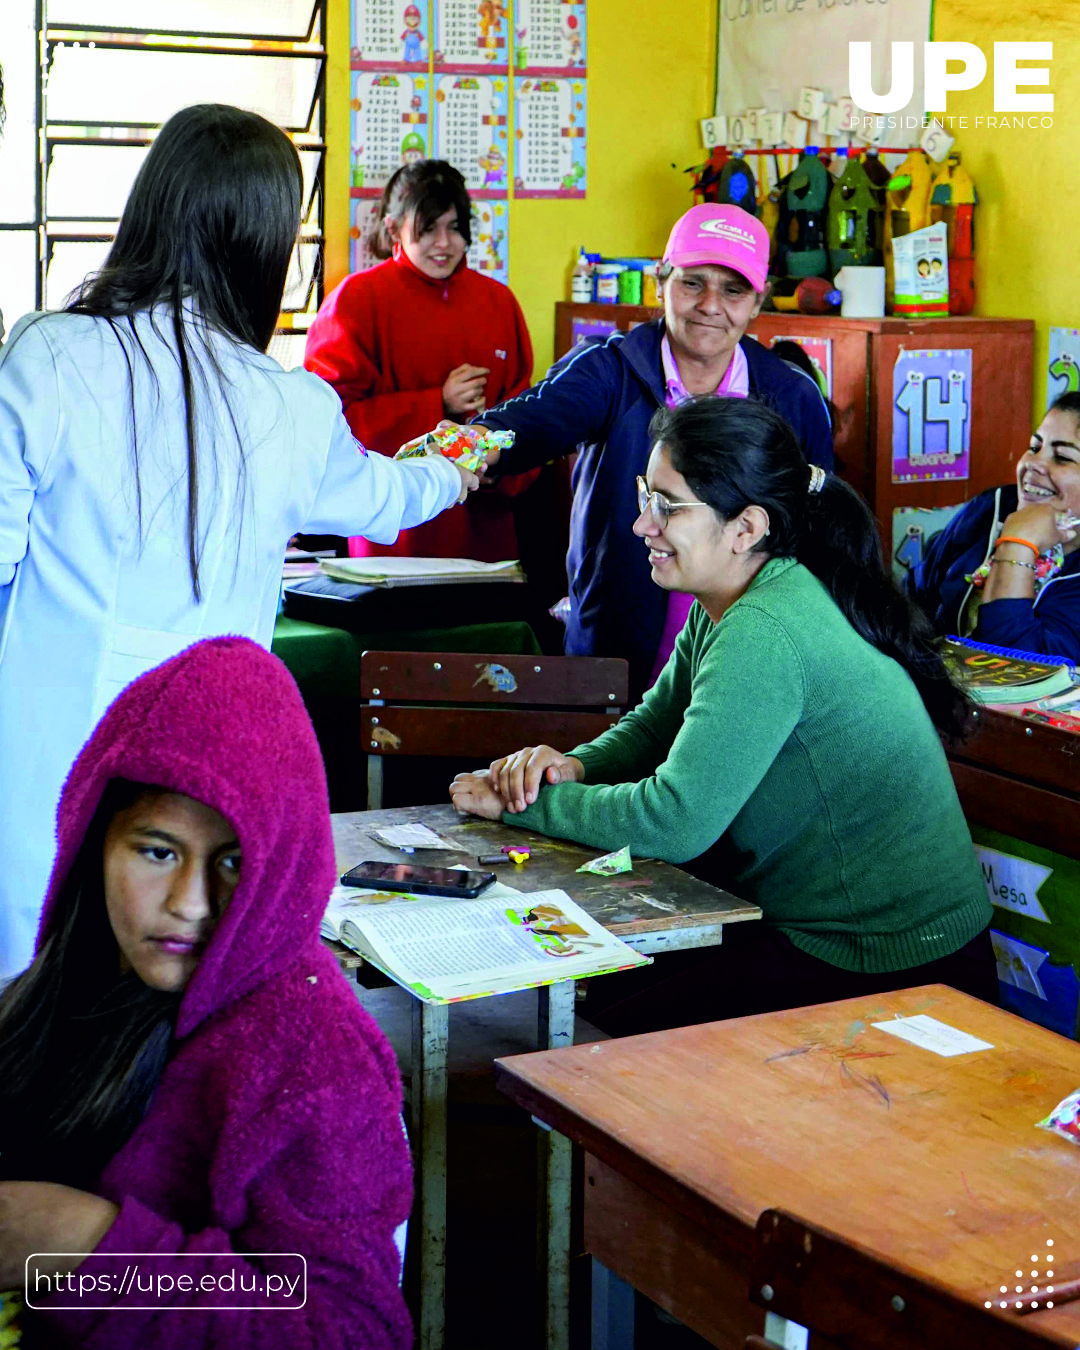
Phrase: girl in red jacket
(422, 337)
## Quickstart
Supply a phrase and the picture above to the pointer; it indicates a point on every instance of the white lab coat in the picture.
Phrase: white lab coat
(87, 600)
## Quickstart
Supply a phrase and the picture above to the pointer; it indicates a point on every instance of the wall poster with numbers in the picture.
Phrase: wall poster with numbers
(365, 220)
(385, 32)
(472, 129)
(488, 253)
(1063, 371)
(390, 125)
(549, 37)
(471, 35)
(549, 135)
(931, 436)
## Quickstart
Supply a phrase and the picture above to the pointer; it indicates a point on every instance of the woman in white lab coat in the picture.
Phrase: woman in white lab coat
(154, 463)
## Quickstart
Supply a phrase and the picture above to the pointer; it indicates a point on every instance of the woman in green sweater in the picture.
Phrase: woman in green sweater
(789, 751)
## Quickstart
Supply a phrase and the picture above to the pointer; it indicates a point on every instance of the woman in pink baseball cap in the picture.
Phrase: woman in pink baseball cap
(600, 398)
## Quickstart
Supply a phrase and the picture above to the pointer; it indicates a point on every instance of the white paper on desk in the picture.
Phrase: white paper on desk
(413, 835)
(411, 571)
(930, 1034)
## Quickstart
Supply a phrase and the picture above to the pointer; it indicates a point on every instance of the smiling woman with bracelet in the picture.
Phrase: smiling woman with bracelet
(1006, 569)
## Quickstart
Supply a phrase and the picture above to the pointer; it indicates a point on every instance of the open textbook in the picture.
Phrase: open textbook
(445, 949)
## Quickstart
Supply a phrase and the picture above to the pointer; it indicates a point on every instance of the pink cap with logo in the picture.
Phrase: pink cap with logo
(726, 236)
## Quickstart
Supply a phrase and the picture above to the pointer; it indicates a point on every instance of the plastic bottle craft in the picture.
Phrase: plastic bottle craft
(907, 208)
(807, 200)
(953, 200)
(854, 232)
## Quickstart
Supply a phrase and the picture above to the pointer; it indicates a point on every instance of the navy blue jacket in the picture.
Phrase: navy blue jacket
(599, 399)
(938, 584)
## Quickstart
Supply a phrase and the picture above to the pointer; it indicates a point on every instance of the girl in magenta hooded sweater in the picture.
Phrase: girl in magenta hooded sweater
(184, 1072)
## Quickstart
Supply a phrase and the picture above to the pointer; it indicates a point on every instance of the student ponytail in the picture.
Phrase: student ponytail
(736, 453)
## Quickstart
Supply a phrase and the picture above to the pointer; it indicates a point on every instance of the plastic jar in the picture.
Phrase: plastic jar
(630, 286)
(607, 283)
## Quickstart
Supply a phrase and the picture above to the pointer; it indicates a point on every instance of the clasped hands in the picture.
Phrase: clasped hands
(513, 782)
(477, 480)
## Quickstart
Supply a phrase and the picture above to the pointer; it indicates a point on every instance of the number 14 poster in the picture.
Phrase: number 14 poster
(931, 437)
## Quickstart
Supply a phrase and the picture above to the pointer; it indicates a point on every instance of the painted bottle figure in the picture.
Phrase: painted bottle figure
(953, 200)
(907, 208)
(807, 199)
(737, 186)
(854, 229)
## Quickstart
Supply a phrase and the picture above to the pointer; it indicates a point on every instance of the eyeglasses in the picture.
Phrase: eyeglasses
(658, 504)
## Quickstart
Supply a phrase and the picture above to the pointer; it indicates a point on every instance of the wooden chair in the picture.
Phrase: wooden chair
(471, 706)
(850, 1299)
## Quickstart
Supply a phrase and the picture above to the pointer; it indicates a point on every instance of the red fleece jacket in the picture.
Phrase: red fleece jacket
(386, 339)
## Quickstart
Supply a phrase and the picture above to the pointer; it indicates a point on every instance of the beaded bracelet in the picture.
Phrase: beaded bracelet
(1015, 539)
(1013, 562)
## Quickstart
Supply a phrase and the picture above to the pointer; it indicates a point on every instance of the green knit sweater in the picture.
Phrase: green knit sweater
(803, 762)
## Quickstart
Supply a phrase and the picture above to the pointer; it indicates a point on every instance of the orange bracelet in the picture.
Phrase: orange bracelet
(1014, 539)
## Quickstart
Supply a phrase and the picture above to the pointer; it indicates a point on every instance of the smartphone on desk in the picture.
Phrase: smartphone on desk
(417, 880)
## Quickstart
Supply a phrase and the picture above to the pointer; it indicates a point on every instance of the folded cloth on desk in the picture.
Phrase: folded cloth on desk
(414, 571)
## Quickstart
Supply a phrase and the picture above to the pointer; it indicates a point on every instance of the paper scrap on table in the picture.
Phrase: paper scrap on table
(413, 835)
(930, 1034)
(610, 863)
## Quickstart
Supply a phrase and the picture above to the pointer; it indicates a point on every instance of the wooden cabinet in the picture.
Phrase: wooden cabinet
(864, 353)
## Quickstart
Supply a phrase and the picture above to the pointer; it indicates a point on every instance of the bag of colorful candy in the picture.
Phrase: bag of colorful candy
(467, 446)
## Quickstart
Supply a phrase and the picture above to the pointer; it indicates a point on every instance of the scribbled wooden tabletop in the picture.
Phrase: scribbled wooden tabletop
(655, 899)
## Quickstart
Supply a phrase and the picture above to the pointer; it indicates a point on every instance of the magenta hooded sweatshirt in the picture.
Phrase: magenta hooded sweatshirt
(275, 1126)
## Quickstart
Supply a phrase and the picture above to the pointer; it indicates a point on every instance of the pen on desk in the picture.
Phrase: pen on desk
(1050, 1297)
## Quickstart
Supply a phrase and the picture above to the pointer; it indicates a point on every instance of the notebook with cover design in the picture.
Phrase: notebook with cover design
(1001, 675)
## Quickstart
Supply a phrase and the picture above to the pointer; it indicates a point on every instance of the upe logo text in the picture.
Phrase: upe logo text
(938, 79)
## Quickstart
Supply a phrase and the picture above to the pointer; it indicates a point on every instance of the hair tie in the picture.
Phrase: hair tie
(817, 478)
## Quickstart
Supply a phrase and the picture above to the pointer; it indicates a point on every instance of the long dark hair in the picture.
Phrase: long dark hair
(422, 192)
(211, 219)
(735, 453)
(82, 1046)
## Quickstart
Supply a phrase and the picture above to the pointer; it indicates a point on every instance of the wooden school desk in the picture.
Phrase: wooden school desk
(655, 908)
(931, 1164)
(325, 663)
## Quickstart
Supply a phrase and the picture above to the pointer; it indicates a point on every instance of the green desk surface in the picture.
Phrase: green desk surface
(325, 662)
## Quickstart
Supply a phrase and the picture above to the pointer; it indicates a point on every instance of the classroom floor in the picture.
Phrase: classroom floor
(492, 1181)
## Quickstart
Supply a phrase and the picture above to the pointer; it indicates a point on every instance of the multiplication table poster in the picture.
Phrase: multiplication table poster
(549, 37)
(495, 87)
(488, 253)
(390, 125)
(471, 35)
(472, 129)
(549, 137)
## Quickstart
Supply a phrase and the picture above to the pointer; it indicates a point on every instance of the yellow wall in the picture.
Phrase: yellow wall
(337, 142)
(651, 78)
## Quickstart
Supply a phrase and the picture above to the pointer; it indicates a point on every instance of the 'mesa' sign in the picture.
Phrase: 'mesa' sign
(1013, 883)
(938, 79)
